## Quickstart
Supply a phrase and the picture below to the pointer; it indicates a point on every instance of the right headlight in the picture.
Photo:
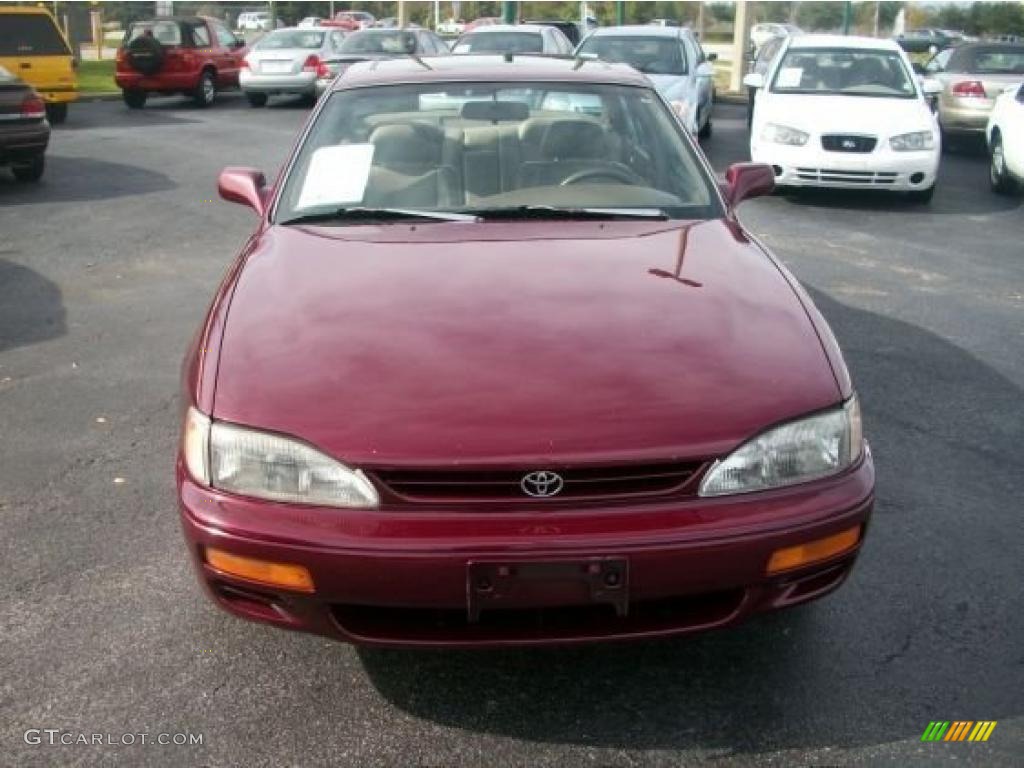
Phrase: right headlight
(806, 449)
(265, 465)
(783, 134)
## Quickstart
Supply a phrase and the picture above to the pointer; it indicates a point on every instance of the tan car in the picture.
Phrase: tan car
(973, 76)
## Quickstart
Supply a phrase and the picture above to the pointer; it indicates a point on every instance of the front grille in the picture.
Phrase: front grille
(866, 178)
(525, 625)
(476, 485)
(841, 142)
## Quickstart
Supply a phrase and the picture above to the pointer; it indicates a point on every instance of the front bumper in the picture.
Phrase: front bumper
(811, 166)
(401, 578)
(302, 82)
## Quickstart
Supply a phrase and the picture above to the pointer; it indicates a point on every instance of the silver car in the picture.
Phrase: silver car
(973, 76)
(288, 61)
(672, 59)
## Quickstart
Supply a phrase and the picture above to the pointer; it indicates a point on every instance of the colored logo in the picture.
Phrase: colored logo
(958, 730)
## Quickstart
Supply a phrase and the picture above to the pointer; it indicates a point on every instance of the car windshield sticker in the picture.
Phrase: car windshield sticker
(337, 175)
(789, 77)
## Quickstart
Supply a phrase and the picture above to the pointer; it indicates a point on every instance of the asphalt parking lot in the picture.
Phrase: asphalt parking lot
(105, 270)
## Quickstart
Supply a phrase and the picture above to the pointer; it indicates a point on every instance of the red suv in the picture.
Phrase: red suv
(193, 56)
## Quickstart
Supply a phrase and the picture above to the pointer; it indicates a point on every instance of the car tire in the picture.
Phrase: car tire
(705, 132)
(999, 176)
(257, 99)
(923, 196)
(57, 113)
(206, 90)
(30, 171)
(134, 99)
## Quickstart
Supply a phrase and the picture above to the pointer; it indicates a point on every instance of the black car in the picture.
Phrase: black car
(24, 131)
(568, 28)
(923, 40)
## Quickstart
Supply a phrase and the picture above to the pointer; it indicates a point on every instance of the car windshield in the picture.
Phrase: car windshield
(165, 32)
(500, 42)
(30, 34)
(380, 41)
(475, 147)
(1002, 60)
(291, 38)
(650, 55)
(847, 72)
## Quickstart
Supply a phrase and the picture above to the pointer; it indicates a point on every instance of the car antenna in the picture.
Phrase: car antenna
(422, 63)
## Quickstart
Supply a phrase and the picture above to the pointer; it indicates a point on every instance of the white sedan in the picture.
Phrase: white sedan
(846, 112)
(1005, 134)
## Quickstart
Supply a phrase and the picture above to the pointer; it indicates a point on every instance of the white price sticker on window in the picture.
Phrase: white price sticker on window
(790, 77)
(337, 175)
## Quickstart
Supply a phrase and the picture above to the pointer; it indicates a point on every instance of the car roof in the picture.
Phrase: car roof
(843, 41)
(488, 69)
(488, 28)
(639, 30)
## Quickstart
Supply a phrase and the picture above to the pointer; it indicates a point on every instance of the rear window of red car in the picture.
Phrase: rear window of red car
(30, 35)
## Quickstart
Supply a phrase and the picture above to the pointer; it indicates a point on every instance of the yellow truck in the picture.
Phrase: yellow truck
(33, 48)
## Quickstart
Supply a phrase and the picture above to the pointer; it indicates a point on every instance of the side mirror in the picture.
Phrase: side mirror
(754, 80)
(933, 49)
(707, 69)
(238, 44)
(931, 86)
(712, 57)
(247, 186)
(746, 180)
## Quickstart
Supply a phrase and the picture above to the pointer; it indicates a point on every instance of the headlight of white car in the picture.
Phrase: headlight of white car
(806, 449)
(268, 466)
(916, 141)
(685, 109)
(783, 134)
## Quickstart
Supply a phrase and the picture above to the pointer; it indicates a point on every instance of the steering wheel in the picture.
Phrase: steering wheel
(615, 174)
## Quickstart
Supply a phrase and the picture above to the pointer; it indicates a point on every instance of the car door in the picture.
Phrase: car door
(229, 51)
(701, 83)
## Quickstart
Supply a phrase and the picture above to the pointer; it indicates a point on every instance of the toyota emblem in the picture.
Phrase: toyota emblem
(542, 484)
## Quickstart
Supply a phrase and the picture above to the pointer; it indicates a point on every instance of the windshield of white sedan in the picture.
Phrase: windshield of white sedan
(848, 72)
(500, 42)
(650, 55)
(380, 41)
(498, 148)
(291, 38)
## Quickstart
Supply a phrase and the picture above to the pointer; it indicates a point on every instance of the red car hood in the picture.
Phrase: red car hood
(517, 343)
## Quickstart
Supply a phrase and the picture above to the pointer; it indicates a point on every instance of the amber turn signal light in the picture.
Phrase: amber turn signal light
(813, 551)
(283, 575)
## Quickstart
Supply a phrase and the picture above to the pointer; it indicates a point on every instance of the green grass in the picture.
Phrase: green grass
(96, 77)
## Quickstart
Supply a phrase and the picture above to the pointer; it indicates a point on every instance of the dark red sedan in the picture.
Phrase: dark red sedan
(499, 365)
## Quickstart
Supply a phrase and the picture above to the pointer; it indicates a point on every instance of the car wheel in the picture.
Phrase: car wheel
(30, 171)
(922, 195)
(56, 113)
(134, 99)
(999, 176)
(705, 132)
(257, 99)
(206, 90)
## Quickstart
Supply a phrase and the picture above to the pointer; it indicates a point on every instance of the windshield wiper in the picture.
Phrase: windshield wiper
(551, 212)
(361, 213)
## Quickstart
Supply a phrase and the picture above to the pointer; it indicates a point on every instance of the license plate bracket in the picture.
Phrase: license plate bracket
(529, 584)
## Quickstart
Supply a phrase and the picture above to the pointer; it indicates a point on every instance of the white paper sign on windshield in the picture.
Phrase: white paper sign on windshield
(790, 77)
(337, 175)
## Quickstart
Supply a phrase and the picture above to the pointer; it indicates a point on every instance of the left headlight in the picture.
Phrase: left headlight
(269, 466)
(912, 142)
(806, 449)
